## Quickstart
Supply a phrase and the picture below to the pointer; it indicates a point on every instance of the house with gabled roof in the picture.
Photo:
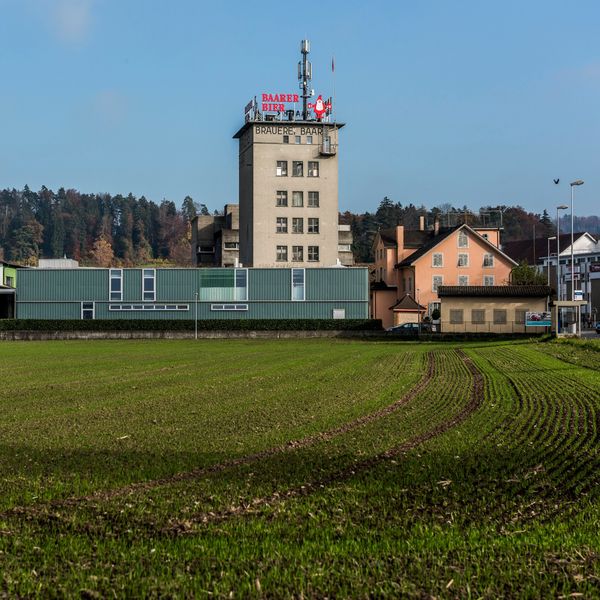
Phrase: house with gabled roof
(416, 263)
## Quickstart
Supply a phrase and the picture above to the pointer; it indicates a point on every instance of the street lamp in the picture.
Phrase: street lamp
(573, 184)
(560, 207)
(195, 315)
(548, 258)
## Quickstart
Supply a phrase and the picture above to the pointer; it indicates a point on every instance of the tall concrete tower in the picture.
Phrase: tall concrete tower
(288, 178)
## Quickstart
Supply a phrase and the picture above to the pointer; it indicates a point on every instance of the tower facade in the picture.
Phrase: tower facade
(288, 180)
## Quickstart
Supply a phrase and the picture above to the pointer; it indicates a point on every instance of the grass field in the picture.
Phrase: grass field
(299, 469)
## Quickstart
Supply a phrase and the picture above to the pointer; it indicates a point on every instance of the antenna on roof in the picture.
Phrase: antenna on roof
(305, 77)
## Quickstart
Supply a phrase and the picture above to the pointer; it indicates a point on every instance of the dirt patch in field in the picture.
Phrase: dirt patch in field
(243, 460)
(257, 504)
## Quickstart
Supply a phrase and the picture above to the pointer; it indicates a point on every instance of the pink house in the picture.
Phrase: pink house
(416, 263)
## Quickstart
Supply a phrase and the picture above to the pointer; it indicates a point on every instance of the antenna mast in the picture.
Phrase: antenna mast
(304, 77)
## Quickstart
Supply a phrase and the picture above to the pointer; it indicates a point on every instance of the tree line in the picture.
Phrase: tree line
(517, 223)
(95, 229)
(106, 230)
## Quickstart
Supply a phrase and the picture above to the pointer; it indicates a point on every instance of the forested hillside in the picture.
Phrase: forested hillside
(105, 230)
(96, 229)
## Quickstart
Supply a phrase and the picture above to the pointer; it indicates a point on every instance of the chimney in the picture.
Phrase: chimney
(436, 225)
(421, 223)
(399, 243)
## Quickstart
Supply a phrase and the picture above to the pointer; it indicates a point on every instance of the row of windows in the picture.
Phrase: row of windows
(281, 169)
(211, 282)
(438, 280)
(297, 255)
(281, 199)
(281, 225)
(145, 307)
(437, 260)
(148, 285)
(479, 315)
(298, 139)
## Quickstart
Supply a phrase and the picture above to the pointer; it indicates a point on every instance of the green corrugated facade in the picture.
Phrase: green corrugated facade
(61, 294)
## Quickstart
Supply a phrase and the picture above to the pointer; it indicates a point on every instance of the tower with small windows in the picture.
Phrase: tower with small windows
(288, 178)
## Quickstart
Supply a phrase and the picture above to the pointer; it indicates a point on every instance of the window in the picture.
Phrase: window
(281, 254)
(463, 260)
(520, 316)
(437, 260)
(298, 284)
(499, 316)
(436, 281)
(313, 253)
(313, 168)
(297, 253)
(10, 281)
(309, 139)
(434, 306)
(116, 284)
(313, 199)
(339, 313)
(241, 284)
(478, 316)
(87, 310)
(463, 240)
(297, 168)
(236, 307)
(148, 285)
(463, 280)
(281, 225)
(297, 198)
(286, 139)
(488, 280)
(297, 225)
(488, 260)
(297, 139)
(231, 245)
(206, 249)
(456, 316)
(281, 198)
(281, 168)
(313, 225)
(160, 307)
(344, 247)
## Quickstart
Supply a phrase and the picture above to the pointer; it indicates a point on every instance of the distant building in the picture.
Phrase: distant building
(216, 238)
(586, 255)
(57, 263)
(417, 262)
(491, 309)
(170, 293)
(8, 283)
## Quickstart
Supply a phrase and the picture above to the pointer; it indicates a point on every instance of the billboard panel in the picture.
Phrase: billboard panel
(538, 319)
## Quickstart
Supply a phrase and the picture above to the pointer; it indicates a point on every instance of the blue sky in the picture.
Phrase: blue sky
(466, 102)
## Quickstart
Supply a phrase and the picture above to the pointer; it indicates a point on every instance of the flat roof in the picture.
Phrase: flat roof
(285, 123)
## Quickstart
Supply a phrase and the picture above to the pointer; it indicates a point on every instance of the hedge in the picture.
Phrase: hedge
(188, 325)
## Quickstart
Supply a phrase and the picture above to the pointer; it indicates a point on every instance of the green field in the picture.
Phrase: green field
(308, 468)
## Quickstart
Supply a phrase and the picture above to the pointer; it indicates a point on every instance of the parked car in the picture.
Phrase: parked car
(598, 328)
(410, 328)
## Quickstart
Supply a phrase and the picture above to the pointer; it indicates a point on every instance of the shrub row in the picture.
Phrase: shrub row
(188, 325)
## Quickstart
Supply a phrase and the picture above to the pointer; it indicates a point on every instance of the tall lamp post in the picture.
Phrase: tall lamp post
(548, 257)
(573, 184)
(558, 208)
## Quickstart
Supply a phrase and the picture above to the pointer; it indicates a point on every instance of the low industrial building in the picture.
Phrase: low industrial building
(491, 309)
(146, 293)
